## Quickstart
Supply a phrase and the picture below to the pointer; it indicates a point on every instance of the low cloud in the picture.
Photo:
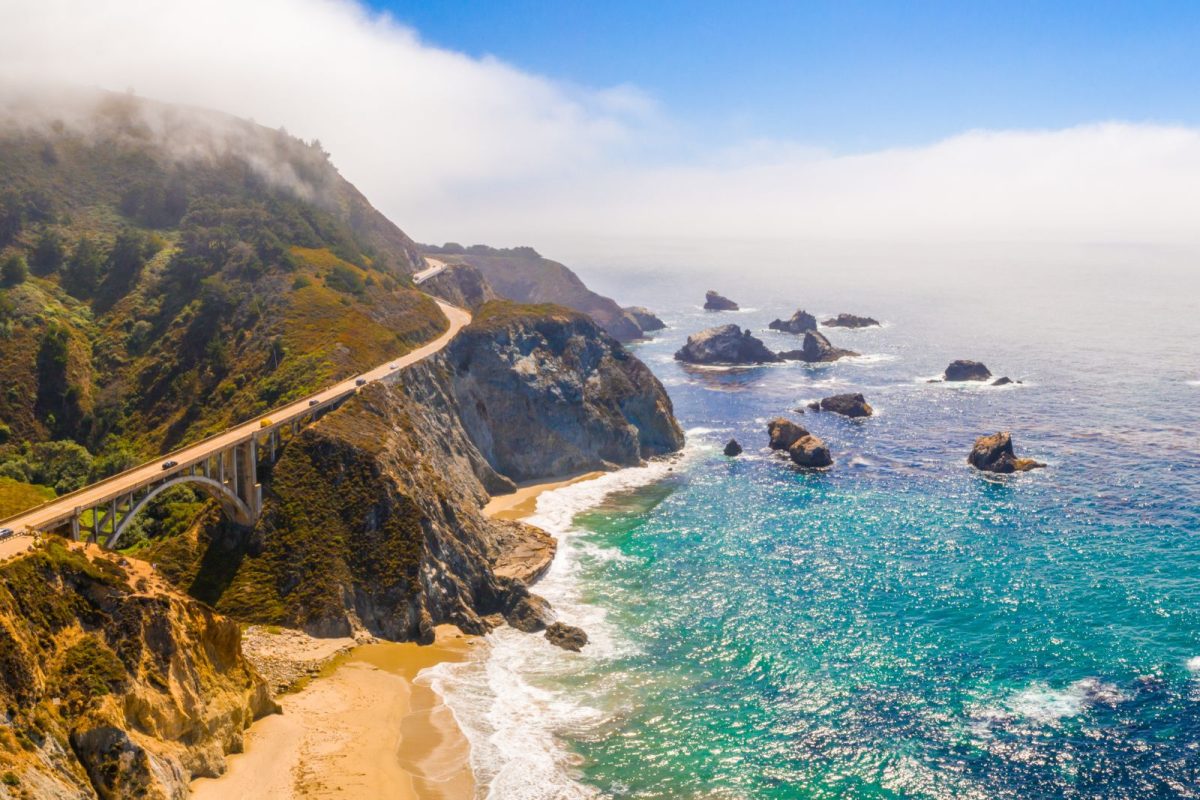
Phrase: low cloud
(454, 147)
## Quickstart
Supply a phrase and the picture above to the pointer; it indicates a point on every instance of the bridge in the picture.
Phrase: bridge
(224, 466)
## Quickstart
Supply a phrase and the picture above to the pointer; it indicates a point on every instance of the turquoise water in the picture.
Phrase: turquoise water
(898, 626)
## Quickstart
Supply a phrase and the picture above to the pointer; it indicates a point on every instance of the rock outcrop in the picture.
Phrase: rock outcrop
(995, 454)
(810, 452)
(568, 637)
(732, 448)
(850, 321)
(800, 322)
(523, 275)
(802, 447)
(816, 350)
(372, 519)
(725, 344)
(114, 684)
(962, 370)
(848, 405)
(1005, 381)
(462, 285)
(716, 302)
(646, 319)
(548, 393)
(783, 433)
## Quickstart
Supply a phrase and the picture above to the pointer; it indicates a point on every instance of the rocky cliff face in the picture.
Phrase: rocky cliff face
(373, 515)
(114, 684)
(552, 394)
(522, 275)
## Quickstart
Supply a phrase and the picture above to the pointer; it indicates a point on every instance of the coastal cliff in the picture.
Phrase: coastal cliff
(113, 684)
(373, 519)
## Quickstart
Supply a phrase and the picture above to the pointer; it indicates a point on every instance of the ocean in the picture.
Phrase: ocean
(899, 626)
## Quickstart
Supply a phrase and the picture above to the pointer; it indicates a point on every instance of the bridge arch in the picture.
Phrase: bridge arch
(231, 505)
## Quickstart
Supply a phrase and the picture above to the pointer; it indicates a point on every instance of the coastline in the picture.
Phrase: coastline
(362, 727)
(522, 503)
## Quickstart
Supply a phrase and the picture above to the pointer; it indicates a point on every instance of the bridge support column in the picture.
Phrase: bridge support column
(75, 524)
(248, 488)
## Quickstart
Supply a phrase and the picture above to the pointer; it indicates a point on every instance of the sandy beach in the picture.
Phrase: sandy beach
(362, 730)
(523, 502)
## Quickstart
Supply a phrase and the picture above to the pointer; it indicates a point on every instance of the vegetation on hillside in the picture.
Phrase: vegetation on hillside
(165, 276)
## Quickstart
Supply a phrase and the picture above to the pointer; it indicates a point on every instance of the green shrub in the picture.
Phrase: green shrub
(14, 270)
(345, 279)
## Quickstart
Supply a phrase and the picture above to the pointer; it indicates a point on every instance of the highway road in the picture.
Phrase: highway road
(55, 512)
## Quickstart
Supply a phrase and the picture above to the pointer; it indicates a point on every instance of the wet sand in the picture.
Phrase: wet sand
(363, 730)
(523, 502)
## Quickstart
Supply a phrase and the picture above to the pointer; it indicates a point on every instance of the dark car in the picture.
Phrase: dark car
(6, 532)
(313, 402)
(360, 382)
(168, 464)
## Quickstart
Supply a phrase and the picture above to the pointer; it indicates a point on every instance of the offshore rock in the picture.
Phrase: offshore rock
(715, 302)
(962, 370)
(646, 319)
(848, 405)
(732, 448)
(784, 433)
(568, 637)
(799, 322)
(725, 344)
(850, 321)
(995, 454)
(815, 350)
(810, 452)
(1005, 381)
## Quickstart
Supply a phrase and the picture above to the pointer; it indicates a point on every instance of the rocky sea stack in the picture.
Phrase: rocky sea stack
(716, 302)
(962, 370)
(732, 448)
(802, 447)
(848, 405)
(850, 321)
(815, 350)
(725, 344)
(995, 454)
(646, 319)
(799, 322)
(568, 637)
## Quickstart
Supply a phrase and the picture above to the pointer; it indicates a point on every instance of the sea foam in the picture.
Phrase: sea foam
(499, 696)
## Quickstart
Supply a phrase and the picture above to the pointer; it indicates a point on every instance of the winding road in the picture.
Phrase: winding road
(61, 509)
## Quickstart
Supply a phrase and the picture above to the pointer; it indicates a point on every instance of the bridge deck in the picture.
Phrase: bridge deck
(62, 509)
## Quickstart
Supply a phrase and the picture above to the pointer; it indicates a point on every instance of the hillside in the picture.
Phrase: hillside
(523, 275)
(165, 272)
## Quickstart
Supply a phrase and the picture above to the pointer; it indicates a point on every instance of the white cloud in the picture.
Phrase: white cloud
(474, 149)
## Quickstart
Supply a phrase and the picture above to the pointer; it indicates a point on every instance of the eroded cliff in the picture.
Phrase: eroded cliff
(373, 515)
(114, 684)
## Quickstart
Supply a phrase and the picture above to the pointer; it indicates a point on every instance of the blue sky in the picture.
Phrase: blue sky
(496, 122)
(848, 76)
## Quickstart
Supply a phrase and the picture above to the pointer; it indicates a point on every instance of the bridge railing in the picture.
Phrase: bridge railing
(276, 423)
(269, 415)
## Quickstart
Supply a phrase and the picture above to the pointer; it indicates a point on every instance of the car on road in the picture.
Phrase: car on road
(361, 382)
(313, 402)
(6, 533)
(169, 463)
(393, 366)
(264, 423)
